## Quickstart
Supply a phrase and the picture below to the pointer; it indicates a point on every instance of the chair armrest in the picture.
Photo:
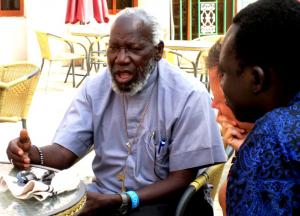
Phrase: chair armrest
(185, 198)
(194, 186)
(70, 41)
(64, 38)
(181, 60)
(199, 182)
(179, 55)
(7, 85)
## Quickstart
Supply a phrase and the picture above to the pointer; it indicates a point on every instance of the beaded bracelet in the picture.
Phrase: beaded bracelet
(134, 199)
(41, 155)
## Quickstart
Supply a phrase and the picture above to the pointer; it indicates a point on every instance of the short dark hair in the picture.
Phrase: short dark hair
(213, 56)
(269, 36)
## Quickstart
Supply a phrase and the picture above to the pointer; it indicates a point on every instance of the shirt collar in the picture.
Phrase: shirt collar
(296, 99)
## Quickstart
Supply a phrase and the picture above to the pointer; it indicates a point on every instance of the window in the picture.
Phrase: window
(11, 7)
(115, 6)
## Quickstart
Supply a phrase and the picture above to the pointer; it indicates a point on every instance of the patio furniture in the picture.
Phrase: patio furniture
(192, 51)
(97, 44)
(48, 53)
(180, 60)
(17, 85)
(68, 203)
(211, 175)
(213, 39)
(97, 52)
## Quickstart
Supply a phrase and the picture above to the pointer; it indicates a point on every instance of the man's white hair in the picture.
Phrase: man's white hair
(148, 20)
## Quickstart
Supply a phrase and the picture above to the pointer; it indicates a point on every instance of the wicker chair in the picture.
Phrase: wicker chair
(97, 52)
(17, 85)
(201, 58)
(177, 58)
(45, 39)
(210, 175)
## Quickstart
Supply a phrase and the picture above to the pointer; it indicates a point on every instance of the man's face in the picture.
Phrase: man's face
(235, 81)
(130, 54)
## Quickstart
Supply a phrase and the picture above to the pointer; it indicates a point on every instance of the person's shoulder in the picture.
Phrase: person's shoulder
(174, 78)
(282, 122)
(283, 115)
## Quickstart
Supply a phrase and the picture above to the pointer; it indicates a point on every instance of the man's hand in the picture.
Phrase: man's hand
(17, 150)
(100, 204)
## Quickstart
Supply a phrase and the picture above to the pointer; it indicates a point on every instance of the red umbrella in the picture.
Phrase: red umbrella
(84, 10)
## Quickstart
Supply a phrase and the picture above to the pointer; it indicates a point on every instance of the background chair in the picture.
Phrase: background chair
(48, 53)
(189, 61)
(200, 60)
(97, 52)
(17, 85)
(211, 176)
(183, 62)
(192, 61)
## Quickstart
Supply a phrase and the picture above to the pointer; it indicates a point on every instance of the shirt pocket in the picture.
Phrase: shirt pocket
(157, 149)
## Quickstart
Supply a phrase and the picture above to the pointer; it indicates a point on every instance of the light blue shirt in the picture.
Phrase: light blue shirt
(179, 114)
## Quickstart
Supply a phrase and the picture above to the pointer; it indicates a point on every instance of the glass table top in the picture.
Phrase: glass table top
(9, 205)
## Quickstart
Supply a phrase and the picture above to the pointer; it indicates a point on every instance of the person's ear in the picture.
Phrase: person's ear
(159, 50)
(258, 79)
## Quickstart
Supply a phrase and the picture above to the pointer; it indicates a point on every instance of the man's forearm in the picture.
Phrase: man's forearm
(165, 189)
(54, 156)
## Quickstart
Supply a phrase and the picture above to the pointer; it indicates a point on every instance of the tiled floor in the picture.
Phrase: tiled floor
(48, 106)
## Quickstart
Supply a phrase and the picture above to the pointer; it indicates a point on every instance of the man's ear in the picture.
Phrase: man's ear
(159, 50)
(258, 79)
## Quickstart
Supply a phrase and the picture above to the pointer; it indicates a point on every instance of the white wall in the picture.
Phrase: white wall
(243, 3)
(161, 10)
(48, 15)
(18, 40)
(44, 15)
(12, 39)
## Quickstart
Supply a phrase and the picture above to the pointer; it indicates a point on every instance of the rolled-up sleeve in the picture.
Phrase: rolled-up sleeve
(196, 139)
(75, 131)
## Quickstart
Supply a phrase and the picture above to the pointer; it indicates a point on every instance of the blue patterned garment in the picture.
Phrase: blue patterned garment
(265, 178)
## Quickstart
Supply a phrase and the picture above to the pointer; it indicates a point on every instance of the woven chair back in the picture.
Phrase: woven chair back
(16, 97)
(43, 41)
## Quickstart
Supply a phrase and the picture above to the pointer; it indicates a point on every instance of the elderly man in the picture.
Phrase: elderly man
(152, 126)
(262, 86)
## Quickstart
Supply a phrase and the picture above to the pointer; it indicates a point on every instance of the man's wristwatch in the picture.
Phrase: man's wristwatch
(125, 204)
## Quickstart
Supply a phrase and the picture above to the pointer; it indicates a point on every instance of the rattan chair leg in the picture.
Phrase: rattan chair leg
(42, 65)
(73, 72)
(68, 73)
(47, 81)
(24, 123)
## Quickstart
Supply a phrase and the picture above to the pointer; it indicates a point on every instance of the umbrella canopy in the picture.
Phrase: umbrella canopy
(84, 11)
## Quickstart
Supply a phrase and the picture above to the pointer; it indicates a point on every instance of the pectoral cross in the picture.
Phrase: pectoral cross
(121, 175)
(121, 178)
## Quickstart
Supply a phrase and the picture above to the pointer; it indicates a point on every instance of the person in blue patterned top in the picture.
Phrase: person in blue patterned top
(261, 82)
